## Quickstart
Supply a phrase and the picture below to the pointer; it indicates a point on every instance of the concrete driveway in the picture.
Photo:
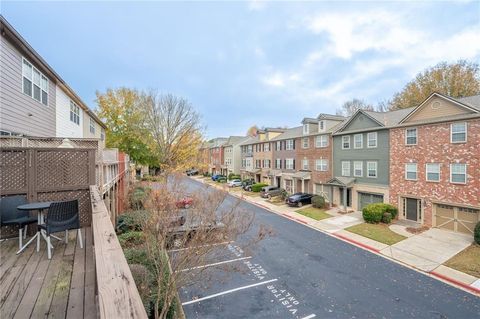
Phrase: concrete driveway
(429, 249)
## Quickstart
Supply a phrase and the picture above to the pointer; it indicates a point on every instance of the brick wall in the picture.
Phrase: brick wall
(434, 146)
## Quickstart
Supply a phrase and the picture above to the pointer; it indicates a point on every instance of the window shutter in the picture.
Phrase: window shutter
(293, 144)
(294, 164)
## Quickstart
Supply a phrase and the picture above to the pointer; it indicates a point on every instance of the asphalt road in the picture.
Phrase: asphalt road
(303, 273)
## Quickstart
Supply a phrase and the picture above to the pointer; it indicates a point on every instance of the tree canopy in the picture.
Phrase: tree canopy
(456, 80)
(350, 107)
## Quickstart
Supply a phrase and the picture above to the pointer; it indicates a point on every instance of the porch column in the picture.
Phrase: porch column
(303, 185)
(345, 198)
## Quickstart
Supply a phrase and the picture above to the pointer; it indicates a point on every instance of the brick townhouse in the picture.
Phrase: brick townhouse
(216, 155)
(435, 163)
(314, 153)
(284, 173)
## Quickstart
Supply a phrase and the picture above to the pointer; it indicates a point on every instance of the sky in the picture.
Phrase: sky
(248, 63)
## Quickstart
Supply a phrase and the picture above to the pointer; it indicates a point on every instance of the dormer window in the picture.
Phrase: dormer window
(321, 126)
(306, 128)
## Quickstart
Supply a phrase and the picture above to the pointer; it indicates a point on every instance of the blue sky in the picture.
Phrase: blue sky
(245, 63)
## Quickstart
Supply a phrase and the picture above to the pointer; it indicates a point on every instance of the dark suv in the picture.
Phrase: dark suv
(298, 199)
(271, 191)
(247, 184)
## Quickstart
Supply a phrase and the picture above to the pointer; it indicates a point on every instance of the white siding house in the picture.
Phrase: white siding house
(68, 125)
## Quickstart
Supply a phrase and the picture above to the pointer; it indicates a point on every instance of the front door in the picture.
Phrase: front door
(411, 209)
(278, 178)
(349, 196)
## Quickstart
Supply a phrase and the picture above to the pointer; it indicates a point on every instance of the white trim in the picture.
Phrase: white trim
(32, 84)
(318, 138)
(406, 135)
(451, 133)
(306, 128)
(344, 168)
(349, 144)
(303, 142)
(355, 141)
(451, 173)
(376, 169)
(361, 168)
(407, 171)
(439, 172)
(376, 139)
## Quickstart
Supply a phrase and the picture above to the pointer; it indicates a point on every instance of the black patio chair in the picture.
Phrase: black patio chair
(61, 216)
(11, 216)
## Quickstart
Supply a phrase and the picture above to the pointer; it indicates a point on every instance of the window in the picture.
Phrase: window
(458, 173)
(74, 113)
(433, 172)
(411, 136)
(92, 126)
(411, 171)
(278, 146)
(321, 165)
(102, 134)
(372, 139)
(278, 163)
(306, 142)
(289, 145)
(321, 126)
(34, 83)
(321, 141)
(290, 163)
(358, 169)
(358, 141)
(458, 132)
(345, 168)
(372, 169)
(266, 147)
(306, 128)
(345, 142)
(305, 164)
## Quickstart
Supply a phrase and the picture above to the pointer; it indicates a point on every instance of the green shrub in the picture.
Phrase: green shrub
(136, 256)
(386, 218)
(373, 213)
(232, 176)
(222, 180)
(131, 238)
(137, 196)
(476, 233)
(131, 221)
(318, 201)
(258, 187)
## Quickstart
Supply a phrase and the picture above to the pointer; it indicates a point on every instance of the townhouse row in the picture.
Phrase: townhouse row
(425, 160)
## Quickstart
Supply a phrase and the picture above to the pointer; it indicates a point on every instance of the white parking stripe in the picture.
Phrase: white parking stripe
(310, 316)
(215, 264)
(228, 292)
(180, 249)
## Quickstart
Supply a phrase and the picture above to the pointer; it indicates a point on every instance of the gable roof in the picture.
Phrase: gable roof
(472, 101)
(325, 116)
(233, 140)
(250, 140)
(457, 102)
(218, 141)
(290, 133)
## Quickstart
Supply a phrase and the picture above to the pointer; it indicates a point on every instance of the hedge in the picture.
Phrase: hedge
(476, 233)
(318, 201)
(233, 176)
(258, 187)
(374, 213)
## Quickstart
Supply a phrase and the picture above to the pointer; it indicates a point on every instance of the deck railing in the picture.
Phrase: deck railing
(118, 295)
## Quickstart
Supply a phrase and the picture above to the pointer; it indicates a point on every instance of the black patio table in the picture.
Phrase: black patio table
(40, 207)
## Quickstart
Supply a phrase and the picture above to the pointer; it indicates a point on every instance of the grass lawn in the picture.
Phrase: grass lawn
(315, 213)
(277, 201)
(467, 261)
(252, 194)
(378, 232)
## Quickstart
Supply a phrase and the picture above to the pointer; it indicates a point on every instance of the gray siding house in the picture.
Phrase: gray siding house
(34, 100)
(361, 157)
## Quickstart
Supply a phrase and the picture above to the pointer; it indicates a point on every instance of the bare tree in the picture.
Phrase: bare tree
(175, 127)
(350, 107)
(179, 251)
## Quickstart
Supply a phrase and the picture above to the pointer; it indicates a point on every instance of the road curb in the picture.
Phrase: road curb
(455, 282)
(296, 219)
(357, 243)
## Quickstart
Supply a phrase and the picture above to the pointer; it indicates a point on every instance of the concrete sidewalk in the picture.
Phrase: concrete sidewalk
(426, 251)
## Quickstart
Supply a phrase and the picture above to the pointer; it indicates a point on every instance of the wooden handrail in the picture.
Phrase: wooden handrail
(118, 295)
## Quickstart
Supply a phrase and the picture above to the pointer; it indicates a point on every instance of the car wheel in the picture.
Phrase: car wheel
(300, 204)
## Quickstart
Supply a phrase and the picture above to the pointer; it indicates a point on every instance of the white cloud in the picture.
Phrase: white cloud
(256, 5)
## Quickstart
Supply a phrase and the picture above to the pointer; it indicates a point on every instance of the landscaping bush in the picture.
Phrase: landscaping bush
(131, 238)
(318, 201)
(138, 195)
(136, 256)
(386, 218)
(258, 187)
(476, 233)
(232, 176)
(131, 221)
(373, 213)
(222, 180)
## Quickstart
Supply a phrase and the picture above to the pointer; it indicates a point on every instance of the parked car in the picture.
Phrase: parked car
(270, 191)
(216, 177)
(185, 202)
(299, 199)
(235, 183)
(247, 184)
(192, 172)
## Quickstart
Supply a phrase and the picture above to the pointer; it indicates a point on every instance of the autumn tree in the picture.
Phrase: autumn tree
(175, 129)
(350, 107)
(252, 131)
(456, 80)
(119, 109)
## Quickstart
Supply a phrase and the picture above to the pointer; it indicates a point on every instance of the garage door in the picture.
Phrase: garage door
(365, 199)
(458, 219)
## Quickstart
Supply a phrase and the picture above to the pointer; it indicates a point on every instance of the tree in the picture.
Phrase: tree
(456, 80)
(252, 131)
(175, 129)
(119, 109)
(176, 254)
(350, 107)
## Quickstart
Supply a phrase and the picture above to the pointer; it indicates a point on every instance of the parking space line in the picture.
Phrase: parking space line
(216, 244)
(310, 316)
(228, 292)
(219, 263)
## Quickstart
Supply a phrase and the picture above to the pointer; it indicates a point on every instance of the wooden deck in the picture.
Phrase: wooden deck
(34, 287)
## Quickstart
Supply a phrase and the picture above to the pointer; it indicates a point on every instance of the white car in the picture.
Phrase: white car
(235, 183)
